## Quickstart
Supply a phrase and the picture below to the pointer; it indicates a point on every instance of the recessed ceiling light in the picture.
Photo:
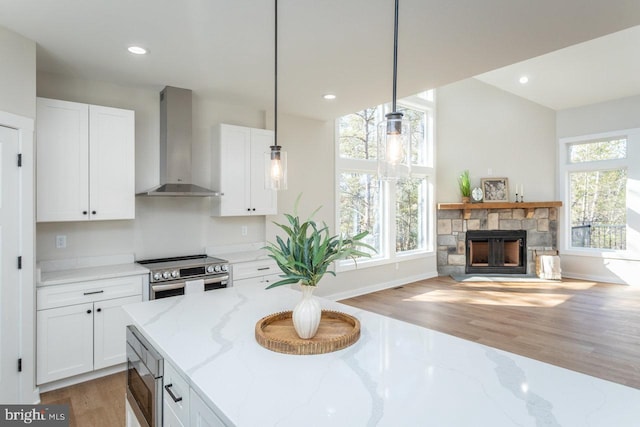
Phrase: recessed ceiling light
(329, 96)
(524, 80)
(137, 50)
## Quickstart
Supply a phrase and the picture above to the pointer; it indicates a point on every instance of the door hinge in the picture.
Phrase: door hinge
(19, 263)
(20, 365)
(20, 160)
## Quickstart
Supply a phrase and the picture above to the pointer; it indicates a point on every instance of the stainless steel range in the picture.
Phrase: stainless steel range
(169, 276)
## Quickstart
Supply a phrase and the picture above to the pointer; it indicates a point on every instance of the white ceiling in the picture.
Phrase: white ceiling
(224, 49)
(587, 73)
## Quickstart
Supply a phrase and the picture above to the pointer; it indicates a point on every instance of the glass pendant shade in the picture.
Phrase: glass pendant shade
(394, 147)
(275, 168)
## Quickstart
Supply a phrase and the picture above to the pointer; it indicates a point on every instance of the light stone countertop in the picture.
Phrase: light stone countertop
(73, 275)
(397, 374)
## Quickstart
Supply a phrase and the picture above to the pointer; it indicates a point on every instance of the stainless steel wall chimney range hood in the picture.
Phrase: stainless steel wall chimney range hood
(175, 147)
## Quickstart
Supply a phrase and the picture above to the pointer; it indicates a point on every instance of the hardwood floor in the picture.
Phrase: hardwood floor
(96, 403)
(584, 326)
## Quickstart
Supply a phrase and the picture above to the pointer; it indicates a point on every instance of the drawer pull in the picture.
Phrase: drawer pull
(173, 396)
(89, 311)
(94, 292)
(264, 268)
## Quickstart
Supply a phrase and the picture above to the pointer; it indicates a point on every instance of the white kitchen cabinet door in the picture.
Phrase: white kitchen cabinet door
(109, 331)
(238, 172)
(64, 342)
(85, 162)
(200, 414)
(263, 201)
(63, 160)
(111, 163)
(169, 418)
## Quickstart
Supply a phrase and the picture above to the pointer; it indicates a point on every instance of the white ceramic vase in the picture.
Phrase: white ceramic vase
(306, 314)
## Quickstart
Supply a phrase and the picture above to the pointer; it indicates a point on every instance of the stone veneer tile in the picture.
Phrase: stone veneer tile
(473, 224)
(456, 260)
(444, 226)
(543, 225)
(456, 225)
(553, 214)
(442, 257)
(479, 213)
(461, 247)
(450, 214)
(510, 224)
(518, 214)
(504, 214)
(493, 221)
(529, 224)
(541, 213)
(446, 240)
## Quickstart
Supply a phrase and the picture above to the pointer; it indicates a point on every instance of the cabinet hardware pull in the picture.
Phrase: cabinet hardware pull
(89, 311)
(94, 292)
(173, 396)
(263, 268)
(93, 212)
(248, 209)
(84, 212)
(99, 310)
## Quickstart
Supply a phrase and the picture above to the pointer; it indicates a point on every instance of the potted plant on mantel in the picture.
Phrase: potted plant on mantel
(464, 182)
(305, 257)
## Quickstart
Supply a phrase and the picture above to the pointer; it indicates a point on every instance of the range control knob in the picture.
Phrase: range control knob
(157, 276)
(210, 269)
(225, 267)
(216, 268)
(175, 274)
(166, 275)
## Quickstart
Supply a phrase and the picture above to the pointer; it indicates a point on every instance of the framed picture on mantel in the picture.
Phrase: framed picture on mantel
(495, 189)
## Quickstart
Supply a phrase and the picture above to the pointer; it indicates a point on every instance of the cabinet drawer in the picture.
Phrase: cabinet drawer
(84, 292)
(175, 384)
(245, 270)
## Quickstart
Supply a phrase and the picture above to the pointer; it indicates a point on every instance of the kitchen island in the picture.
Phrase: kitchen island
(396, 374)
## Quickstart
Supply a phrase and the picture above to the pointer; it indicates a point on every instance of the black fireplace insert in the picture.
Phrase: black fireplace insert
(496, 252)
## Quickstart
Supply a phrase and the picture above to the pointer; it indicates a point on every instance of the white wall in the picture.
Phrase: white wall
(599, 118)
(163, 226)
(480, 127)
(17, 74)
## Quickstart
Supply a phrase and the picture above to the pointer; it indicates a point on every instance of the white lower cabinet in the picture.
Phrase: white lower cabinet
(201, 415)
(182, 406)
(89, 333)
(258, 274)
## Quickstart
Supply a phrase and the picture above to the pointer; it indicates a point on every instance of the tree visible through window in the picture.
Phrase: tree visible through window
(394, 213)
(598, 194)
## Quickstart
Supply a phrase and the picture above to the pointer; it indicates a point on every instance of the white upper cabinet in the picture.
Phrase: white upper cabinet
(85, 162)
(238, 172)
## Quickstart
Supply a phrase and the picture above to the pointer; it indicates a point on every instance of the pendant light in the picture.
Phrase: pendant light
(394, 143)
(276, 159)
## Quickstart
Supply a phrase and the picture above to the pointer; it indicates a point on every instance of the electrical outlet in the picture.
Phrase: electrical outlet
(243, 230)
(61, 242)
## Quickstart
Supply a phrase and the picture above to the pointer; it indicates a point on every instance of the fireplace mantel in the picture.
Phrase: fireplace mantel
(528, 206)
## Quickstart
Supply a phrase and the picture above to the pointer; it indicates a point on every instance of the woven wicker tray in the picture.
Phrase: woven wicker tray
(336, 331)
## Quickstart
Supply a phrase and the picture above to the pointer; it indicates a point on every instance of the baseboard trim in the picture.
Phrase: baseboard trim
(77, 379)
(380, 286)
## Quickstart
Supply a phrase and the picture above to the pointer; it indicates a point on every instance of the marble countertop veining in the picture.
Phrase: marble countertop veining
(397, 374)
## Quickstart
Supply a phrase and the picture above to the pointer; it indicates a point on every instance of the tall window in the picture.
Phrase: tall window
(596, 171)
(395, 213)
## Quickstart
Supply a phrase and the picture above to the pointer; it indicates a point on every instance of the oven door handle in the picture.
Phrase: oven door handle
(167, 287)
(217, 279)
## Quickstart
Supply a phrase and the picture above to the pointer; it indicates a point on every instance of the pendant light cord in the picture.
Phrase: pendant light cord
(395, 56)
(275, 73)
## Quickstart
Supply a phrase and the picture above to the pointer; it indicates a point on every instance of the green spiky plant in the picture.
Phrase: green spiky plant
(464, 182)
(308, 250)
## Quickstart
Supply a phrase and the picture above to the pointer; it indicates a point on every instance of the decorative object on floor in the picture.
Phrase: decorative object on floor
(477, 195)
(394, 133)
(337, 331)
(495, 189)
(464, 183)
(276, 159)
(305, 257)
(548, 264)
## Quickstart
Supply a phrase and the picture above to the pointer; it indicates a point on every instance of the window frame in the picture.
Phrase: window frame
(388, 254)
(566, 167)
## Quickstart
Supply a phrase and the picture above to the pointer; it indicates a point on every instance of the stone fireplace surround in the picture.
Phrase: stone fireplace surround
(541, 224)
